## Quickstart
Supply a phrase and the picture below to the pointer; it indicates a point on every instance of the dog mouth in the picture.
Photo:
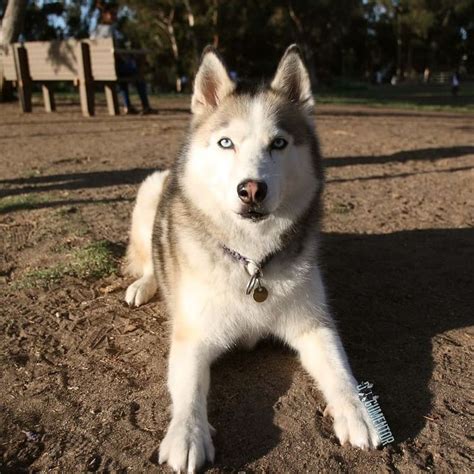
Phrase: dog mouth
(254, 215)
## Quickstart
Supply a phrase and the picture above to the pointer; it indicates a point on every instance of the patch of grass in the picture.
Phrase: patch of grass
(348, 91)
(42, 277)
(428, 97)
(22, 202)
(395, 104)
(94, 261)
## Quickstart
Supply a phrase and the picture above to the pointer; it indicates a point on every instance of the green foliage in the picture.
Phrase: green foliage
(42, 277)
(431, 33)
(423, 97)
(22, 202)
(353, 38)
(94, 261)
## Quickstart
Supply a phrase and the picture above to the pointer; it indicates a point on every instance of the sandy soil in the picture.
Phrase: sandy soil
(83, 375)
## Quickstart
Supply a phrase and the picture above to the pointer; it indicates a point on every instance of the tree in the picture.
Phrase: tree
(12, 22)
(438, 34)
(10, 29)
(157, 25)
(322, 28)
(338, 37)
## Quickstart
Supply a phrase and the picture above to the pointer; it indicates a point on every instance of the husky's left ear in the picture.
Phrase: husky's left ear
(212, 83)
(292, 79)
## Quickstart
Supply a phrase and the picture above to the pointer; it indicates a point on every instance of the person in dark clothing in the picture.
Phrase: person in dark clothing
(455, 84)
(126, 65)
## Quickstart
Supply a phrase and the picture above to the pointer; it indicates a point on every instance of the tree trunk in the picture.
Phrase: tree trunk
(174, 48)
(12, 22)
(398, 26)
(192, 35)
(165, 22)
(10, 29)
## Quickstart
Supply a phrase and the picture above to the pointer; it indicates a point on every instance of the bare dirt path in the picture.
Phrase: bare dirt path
(82, 376)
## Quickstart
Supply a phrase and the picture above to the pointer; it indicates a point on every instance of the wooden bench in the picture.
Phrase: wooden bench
(84, 63)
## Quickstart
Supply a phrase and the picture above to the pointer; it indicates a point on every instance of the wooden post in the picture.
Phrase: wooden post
(48, 97)
(23, 77)
(86, 81)
(112, 100)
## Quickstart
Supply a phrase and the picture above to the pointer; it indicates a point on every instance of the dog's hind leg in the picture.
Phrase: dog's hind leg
(139, 252)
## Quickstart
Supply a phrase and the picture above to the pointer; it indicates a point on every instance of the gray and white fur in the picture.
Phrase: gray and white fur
(249, 179)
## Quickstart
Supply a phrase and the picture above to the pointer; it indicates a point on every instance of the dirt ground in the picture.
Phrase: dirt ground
(83, 376)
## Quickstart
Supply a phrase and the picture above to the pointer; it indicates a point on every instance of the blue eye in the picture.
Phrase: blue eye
(278, 144)
(225, 143)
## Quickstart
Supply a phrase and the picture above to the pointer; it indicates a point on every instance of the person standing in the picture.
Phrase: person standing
(126, 65)
(455, 84)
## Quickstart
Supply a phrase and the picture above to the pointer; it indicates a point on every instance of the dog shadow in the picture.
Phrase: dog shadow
(391, 294)
(244, 390)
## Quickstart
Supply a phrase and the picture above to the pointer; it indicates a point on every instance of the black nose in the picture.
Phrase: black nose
(252, 192)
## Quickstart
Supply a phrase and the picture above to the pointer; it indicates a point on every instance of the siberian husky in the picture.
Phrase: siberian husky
(230, 236)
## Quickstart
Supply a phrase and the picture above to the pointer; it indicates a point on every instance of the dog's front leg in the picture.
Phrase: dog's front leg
(187, 444)
(323, 356)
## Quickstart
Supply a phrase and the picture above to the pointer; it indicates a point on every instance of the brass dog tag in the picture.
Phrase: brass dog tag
(260, 294)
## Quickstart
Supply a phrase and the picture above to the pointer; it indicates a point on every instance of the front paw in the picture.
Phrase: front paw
(352, 423)
(187, 445)
(141, 291)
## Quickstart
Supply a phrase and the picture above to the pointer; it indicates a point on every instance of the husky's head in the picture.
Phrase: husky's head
(253, 155)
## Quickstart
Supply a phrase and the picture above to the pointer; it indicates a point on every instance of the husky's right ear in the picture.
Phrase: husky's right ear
(292, 79)
(212, 83)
